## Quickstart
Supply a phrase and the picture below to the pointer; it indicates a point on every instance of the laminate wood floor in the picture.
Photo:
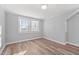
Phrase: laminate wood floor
(40, 46)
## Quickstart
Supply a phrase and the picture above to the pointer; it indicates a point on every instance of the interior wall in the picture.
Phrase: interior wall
(12, 33)
(2, 23)
(54, 28)
(73, 29)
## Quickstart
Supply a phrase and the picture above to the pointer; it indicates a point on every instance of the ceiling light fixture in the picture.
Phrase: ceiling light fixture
(44, 7)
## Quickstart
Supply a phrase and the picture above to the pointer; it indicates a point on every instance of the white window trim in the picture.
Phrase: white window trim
(29, 29)
(38, 26)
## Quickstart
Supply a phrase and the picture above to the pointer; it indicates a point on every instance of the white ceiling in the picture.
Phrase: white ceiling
(34, 10)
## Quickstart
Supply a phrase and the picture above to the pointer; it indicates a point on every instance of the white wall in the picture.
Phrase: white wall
(12, 33)
(54, 28)
(73, 29)
(2, 23)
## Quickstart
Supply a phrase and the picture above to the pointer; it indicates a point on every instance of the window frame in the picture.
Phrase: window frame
(29, 27)
(37, 26)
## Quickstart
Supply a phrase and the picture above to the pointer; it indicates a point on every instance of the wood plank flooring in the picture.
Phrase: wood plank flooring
(40, 46)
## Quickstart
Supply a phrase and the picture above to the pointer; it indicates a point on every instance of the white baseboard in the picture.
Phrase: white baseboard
(72, 44)
(63, 43)
(2, 49)
(23, 40)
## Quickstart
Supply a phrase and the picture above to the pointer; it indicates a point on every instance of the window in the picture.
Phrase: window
(34, 26)
(23, 24)
(28, 25)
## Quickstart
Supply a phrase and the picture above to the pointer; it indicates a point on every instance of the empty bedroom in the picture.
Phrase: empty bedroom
(39, 29)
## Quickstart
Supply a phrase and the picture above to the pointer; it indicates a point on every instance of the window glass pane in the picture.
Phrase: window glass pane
(35, 25)
(28, 25)
(24, 24)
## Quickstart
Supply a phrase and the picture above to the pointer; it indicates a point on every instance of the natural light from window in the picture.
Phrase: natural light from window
(28, 25)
